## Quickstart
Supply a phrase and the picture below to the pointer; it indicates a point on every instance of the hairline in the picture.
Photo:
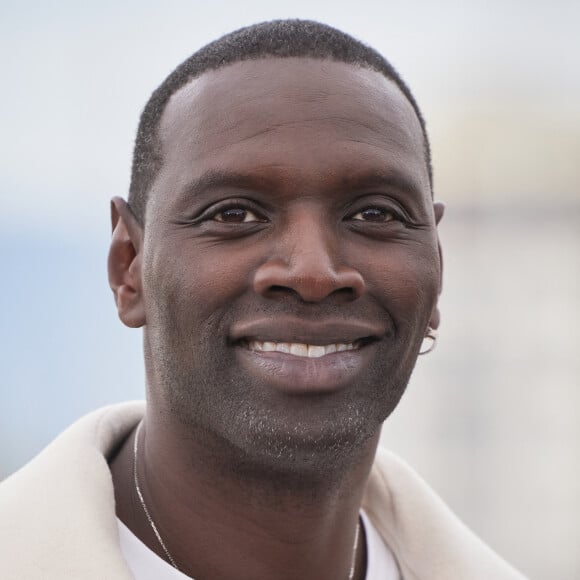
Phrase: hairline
(148, 155)
(159, 141)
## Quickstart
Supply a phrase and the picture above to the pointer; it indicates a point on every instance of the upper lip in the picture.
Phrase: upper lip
(314, 332)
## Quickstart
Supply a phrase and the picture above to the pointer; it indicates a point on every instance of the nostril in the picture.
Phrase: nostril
(346, 292)
(339, 294)
(311, 282)
(277, 291)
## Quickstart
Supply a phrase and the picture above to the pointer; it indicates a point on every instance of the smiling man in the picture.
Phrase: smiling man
(279, 250)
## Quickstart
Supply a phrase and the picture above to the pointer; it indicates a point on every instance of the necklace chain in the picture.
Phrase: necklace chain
(158, 535)
(143, 504)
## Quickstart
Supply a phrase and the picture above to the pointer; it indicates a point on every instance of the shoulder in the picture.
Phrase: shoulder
(64, 497)
(428, 540)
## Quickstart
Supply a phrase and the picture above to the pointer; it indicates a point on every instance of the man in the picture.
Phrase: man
(279, 250)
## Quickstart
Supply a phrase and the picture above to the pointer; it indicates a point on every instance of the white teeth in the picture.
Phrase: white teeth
(298, 349)
(301, 349)
(316, 351)
(283, 347)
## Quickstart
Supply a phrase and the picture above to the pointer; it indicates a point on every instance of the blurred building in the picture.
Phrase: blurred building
(492, 416)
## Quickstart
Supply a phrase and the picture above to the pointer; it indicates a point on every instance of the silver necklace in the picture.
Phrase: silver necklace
(158, 535)
(143, 504)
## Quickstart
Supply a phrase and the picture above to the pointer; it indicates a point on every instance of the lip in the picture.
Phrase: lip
(319, 332)
(297, 375)
(294, 375)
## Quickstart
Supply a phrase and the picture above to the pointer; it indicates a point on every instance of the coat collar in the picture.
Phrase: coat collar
(57, 514)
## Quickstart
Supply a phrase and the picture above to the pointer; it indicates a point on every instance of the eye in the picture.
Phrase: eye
(374, 214)
(236, 215)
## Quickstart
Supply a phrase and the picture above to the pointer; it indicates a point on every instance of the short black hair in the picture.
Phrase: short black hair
(277, 39)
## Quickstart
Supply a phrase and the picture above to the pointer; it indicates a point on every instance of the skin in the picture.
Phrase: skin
(293, 205)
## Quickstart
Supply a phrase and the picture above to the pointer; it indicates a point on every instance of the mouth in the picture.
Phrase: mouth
(304, 350)
(298, 357)
(296, 336)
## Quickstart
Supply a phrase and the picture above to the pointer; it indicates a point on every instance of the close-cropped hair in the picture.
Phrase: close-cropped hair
(275, 39)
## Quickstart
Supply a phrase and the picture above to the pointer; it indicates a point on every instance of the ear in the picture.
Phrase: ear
(124, 264)
(438, 210)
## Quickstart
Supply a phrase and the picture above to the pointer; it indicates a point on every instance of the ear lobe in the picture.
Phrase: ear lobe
(124, 264)
(438, 210)
(435, 319)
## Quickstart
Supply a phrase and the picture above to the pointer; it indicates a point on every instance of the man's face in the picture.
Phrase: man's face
(290, 261)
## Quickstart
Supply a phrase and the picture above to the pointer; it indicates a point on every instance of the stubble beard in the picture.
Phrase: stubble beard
(249, 433)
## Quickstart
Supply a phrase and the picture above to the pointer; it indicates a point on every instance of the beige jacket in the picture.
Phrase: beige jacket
(57, 514)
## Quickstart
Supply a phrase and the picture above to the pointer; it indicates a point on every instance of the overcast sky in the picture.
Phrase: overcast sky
(76, 75)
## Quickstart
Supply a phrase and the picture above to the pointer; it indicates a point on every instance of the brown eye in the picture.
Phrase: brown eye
(374, 214)
(236, 215)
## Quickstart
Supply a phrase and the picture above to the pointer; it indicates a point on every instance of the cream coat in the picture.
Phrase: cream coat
(57, 514)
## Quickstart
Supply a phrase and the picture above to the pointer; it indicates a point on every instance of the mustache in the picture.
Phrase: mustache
(310, 313)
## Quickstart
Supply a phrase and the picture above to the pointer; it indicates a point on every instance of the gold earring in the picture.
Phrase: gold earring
(429, 341)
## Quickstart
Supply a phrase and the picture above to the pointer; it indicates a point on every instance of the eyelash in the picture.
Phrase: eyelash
(211, 213)
(239, 208)
(387, 213)
(390, 214)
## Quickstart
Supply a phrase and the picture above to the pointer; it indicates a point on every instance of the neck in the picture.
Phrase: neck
(221, 519)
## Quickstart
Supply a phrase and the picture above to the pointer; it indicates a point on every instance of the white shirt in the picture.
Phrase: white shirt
(147, 565)
(381, 564)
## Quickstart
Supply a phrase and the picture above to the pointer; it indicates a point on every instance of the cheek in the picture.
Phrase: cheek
(405, 281)
(187, 282)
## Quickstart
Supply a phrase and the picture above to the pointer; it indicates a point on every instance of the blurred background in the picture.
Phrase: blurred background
(492, 417)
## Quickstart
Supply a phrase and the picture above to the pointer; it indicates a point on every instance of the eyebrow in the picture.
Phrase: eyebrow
(215, 178)
(389, 179)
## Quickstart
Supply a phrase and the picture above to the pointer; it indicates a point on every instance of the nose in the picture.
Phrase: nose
(304, 262)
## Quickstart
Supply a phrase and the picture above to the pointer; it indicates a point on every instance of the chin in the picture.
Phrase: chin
(301, 462)
(257, 430)
(313, 448)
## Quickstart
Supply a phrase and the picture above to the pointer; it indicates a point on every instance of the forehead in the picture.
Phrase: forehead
(319, 115)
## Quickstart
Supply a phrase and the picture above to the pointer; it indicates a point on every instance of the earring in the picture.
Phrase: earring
(429, 341)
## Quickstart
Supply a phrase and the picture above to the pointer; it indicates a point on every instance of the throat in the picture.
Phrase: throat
(224, 520)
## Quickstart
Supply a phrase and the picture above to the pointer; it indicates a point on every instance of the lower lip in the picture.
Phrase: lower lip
(301, 375)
